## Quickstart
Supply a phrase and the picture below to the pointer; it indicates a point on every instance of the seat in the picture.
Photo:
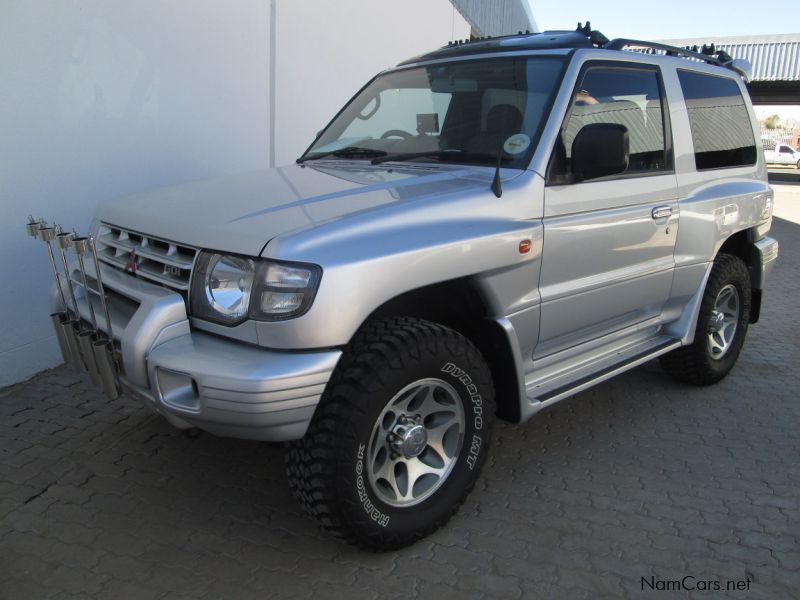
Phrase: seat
(502, 120)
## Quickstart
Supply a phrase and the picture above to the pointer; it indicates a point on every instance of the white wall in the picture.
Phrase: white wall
(325, 52)
(104, 98)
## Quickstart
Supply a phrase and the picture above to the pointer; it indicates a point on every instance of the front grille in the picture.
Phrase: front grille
(158, 260)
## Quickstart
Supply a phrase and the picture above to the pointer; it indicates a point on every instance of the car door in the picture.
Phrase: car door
(785, 155)
(607, 263)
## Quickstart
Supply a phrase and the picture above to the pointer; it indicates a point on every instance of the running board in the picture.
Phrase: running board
(597, 372)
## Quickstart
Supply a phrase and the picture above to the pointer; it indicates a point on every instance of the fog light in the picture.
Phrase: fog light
(281, 302)
(178, 389)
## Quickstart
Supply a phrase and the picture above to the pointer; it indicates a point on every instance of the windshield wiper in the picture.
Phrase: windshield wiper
(349, 151)
(447, 153)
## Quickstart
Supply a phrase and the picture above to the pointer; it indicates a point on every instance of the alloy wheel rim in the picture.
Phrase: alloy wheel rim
(724, 321)
(415, 442)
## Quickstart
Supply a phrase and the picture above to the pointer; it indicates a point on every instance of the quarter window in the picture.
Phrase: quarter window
(721, 129)
(625, 96)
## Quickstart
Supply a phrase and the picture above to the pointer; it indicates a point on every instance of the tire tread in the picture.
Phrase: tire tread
(379, 344)
(690, 364)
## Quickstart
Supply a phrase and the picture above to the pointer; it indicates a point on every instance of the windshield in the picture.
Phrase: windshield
(461, 112)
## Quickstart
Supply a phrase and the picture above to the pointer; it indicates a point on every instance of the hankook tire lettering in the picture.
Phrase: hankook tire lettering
(375, 514)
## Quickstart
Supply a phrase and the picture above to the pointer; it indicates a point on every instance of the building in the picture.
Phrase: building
(775, 59)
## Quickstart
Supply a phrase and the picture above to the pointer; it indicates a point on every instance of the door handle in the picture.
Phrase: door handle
(662, 212)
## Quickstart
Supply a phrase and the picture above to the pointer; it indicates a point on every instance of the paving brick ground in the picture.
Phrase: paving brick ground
(638, 477)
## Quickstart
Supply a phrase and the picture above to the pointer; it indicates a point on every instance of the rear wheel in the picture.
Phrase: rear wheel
(399, 437)
(721, 326)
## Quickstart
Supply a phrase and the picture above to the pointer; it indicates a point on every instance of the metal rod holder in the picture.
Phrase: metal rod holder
(46, 234)
(82, 348)
(107, 367)
(86, 338)
(84, 361)
(101, 290)
(32, 225)
(64, 241)
(106, 357)
(80, 246)
(70, 328)
(65, 334)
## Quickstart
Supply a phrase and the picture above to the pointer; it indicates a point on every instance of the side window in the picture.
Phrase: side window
(721, 129)
(628, 96)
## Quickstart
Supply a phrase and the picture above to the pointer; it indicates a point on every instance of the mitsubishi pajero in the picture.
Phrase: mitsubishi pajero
(480, 232)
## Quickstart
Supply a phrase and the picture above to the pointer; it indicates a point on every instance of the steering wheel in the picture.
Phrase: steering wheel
(397, 133)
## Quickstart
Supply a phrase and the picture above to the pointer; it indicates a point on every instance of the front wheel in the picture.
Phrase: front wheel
(721, 326)
(399, 437)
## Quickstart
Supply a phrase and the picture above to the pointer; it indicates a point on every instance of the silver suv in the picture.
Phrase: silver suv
(482, 231)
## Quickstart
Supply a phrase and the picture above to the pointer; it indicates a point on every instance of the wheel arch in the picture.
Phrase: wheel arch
(741, 244)
(459, 305)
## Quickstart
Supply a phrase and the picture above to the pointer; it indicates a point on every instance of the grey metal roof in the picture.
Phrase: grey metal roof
(498, 17)
(774, 57)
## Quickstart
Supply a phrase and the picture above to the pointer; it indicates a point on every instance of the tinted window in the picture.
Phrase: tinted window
(625, 96)
(721, 129)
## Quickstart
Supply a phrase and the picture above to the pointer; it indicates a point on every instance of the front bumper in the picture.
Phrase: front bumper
(196, 379)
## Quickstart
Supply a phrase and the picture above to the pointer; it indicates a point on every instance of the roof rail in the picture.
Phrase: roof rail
(594, 37)
(583, 37)
(707, 54)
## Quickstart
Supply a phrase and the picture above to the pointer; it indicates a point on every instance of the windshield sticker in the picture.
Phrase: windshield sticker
(517, 143)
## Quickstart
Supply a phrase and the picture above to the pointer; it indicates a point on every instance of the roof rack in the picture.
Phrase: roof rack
(583, 36)
(707, 54)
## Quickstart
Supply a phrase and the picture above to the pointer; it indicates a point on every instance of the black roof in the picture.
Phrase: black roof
(583, 37)
(521, 41)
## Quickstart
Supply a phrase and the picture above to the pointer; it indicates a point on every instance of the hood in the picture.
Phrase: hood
(241, 213)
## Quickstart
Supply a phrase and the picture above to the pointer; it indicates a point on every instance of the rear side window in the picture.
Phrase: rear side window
(628, 96)
(721, 129)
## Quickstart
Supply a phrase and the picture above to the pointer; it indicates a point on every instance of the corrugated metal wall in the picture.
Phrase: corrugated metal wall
(774, 57)
(498, 17)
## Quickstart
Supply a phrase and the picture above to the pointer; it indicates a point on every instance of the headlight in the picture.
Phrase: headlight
(221, 287)
(229, 289)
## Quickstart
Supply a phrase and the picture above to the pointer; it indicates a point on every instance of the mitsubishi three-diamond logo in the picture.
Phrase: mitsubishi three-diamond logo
(131, 266)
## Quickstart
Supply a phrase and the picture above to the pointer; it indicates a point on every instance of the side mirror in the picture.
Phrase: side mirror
(600, 149)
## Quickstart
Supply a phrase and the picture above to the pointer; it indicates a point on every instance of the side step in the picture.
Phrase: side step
(542, 394)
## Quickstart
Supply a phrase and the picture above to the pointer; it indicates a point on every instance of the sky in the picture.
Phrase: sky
(668, 20)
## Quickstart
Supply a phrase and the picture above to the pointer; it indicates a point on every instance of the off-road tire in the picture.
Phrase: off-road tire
(325, 471)
(694, 363)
